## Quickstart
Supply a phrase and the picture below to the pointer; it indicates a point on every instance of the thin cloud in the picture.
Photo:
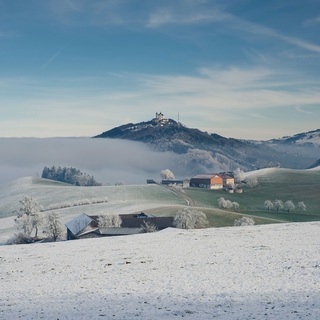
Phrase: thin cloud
(54, 56)
(169, 16)
(312, 22)
(300, 110)
(256, 115)
(164, 17)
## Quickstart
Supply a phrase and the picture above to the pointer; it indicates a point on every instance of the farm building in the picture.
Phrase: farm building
(208, 181)
(79, 225)
(228, 181)
(85, 226)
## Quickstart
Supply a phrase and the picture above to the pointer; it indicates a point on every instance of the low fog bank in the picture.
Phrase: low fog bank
(108, 160)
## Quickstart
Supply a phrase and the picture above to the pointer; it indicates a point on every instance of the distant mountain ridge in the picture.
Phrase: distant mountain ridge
(311, 138)
(200, 150)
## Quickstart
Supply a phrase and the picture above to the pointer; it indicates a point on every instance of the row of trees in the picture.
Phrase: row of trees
(69, 175)
(287, 206)
(74, 203)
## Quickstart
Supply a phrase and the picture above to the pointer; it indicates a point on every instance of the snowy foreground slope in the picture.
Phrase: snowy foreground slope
(255, 272)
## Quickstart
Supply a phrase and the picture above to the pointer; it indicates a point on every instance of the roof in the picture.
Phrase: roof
(159, 222)
(78, 224)
(119, 231)
(206, 176)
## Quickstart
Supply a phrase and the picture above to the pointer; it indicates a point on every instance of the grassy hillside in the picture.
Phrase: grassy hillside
(120, 198)
(216, 217)
(283, 184)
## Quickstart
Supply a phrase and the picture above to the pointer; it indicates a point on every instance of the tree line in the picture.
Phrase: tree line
(69, 175)
(287, 206)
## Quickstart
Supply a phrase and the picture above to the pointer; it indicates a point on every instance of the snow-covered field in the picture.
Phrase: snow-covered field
(253, 272)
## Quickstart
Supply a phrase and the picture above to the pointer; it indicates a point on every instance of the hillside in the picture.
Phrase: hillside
(120, 199)
(274, 183)
(310, 138)
(257, 272)
(203, 151)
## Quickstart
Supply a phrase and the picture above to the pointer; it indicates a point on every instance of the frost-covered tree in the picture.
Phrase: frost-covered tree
(222, 203)
(301, 206)
(109, 221)
(235, 205)
(251, 181)
(54, 226)
(29, 218)
(288, 205)
(166, 174)
(268, 204)
(239, 175)
(188, 218)
(227, 204)
(278, 204)
(149, 227)
(69, 175)
(244, 221)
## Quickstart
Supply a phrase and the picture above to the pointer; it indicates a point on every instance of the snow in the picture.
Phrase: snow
(310, 137)
(252, 272)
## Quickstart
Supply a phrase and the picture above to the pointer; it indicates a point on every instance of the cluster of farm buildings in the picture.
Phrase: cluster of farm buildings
(213, 181)
(85, 226)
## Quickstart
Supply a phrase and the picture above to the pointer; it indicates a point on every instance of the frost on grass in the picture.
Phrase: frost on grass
(259, 272)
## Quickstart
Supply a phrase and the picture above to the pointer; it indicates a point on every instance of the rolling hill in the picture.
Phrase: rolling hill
(274, 183)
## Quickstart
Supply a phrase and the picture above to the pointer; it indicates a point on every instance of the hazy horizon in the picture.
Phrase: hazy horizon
(108, 160)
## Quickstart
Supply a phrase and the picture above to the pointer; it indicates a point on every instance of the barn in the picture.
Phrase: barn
(208, 181)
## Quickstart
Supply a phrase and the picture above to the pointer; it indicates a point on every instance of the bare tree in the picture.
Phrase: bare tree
(109, 221)
(54, 226)
(278, 204)
(166, 174)
(28, 217)
(187, 218)
(227, 204)
(149, 227)
(244, 221)
(222, 203)
(238, 175)
(289, 205)
(268, 204)
(235, 205)
(251, 182)
(301, 206)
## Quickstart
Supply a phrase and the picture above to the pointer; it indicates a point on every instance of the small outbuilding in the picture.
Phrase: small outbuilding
(80, 224)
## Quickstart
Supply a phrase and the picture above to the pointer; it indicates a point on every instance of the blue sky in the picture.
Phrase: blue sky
(239, 68)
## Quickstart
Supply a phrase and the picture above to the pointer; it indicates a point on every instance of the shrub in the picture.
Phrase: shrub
(244, 221)
(189, 219)
(20, 238)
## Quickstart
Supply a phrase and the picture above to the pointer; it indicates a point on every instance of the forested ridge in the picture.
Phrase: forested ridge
(69, 175)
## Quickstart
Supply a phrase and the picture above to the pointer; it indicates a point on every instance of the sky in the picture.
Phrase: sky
(239, 68)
